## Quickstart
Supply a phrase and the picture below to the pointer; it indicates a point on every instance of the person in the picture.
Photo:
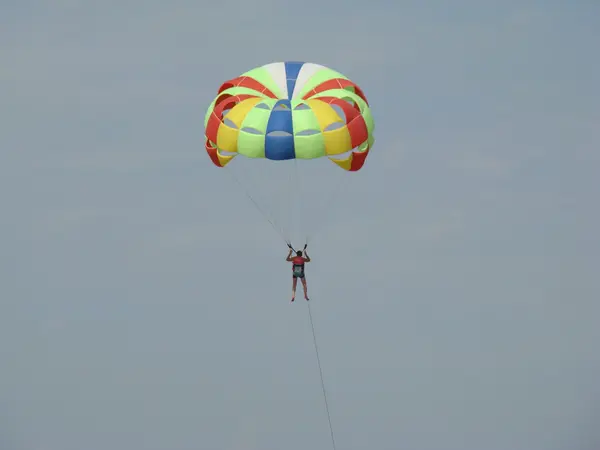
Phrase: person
(298, 262)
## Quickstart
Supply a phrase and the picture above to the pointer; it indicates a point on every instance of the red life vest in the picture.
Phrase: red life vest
(298, 261)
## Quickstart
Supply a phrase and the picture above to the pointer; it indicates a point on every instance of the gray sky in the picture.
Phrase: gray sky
(454, 286)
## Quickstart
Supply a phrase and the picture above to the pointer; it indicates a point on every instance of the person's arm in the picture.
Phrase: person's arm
(289, 256)
(306, 257)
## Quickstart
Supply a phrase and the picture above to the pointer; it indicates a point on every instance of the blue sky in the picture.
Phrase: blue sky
(454, 285)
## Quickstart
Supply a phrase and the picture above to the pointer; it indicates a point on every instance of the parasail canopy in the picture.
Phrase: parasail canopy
(290, 110)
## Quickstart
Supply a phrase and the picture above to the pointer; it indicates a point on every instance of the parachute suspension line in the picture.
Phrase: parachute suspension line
(282, 197)
(321, 374)
(265, 215)
(293, 200)
(300, 197)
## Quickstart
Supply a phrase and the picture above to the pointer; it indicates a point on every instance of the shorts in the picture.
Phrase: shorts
(300, 275)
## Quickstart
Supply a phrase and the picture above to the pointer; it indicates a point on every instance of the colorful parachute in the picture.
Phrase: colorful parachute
(286, 110)
(289, 115)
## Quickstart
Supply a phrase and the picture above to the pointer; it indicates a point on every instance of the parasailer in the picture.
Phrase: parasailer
(286, 112)
(298, 263)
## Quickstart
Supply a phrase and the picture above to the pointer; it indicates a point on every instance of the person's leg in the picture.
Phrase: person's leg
(294, 282)
(305, 288)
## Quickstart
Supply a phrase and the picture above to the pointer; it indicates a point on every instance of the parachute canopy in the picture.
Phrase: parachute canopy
(290, 110)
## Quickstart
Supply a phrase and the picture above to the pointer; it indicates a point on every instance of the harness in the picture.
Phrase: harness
(298, 269)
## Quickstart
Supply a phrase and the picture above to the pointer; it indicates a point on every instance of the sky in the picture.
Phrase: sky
(145, 303)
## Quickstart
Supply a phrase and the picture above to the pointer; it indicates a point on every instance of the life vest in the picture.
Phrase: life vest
(298, 265)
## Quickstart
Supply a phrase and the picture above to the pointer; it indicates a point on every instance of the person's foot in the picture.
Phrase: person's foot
(293, 298)
(306, 297)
